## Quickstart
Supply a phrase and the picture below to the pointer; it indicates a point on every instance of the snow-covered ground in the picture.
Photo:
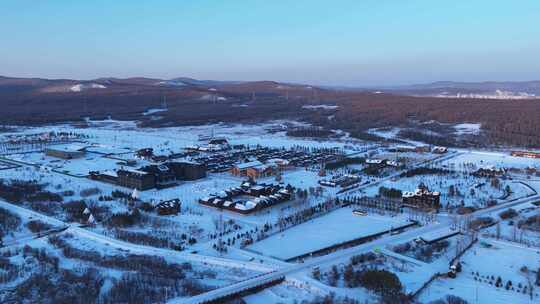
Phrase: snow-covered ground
(499, 160)
(81, 87)
(509, 229)
(334, 228)
(442, 183)
(490, 258)
(120, 139)
(78, 167)
(324, 107)
(467, 129)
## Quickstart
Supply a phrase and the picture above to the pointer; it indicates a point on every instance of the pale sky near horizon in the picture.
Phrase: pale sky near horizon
(350, 43)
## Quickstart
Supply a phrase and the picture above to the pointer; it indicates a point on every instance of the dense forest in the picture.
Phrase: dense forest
(514, 122)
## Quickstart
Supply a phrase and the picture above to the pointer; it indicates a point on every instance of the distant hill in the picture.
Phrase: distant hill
(488, 89)
(187, 101)
(13, 85)
(37, 100)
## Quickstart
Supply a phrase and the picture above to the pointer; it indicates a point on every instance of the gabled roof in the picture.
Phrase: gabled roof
(250, 164)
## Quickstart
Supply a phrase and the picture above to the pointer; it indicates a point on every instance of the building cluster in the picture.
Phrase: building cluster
(168, 207)
(381, 163)
(528, 154)
(43, 138)
(422, 198)
(263, 161)
(152, 176)
(490, 171)
(215, 144)
(420, 149)
(255, 169)
(249, 197)
(440, 150)
(148, 154)
(344, 180)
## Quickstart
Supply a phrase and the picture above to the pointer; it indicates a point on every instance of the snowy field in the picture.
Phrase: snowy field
(79, 167)
(407, 158)
(498, 259)
(489, 159)
(18, 228)
(118, 136)
(510, 230)
(334, 228)
(467, 129)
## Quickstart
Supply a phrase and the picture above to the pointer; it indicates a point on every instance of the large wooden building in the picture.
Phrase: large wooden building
(187, 170)
(136, 179)
(253, 169)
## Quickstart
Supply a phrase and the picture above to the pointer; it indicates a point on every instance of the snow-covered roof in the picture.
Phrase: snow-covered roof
(250, 164)
(278, 161)
(68, 148)
(135, 171)
(373, 161)
(240, 207)
(251, 205)
(408, 194)
(110, 173)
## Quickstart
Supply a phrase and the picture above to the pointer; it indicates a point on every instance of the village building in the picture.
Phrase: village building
(421, 198)
(489, 172)
(187, 170)
(169, 207)
(374, 161)
(145, 153)
(281, 164)
(422, 149)
(136, 179)
(66, 152)
(218, 141)
(109, 176)
(249, 197)
(393, 163)
(528, 154)
(253, 169)
(440, 150)
(164, 176)
(403, 149)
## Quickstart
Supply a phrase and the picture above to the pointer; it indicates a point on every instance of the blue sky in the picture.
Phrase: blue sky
(360, 42)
